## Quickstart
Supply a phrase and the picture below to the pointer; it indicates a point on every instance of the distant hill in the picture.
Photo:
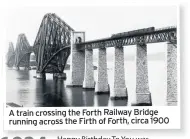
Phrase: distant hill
(151, 57)
(67, 66)
(157, 56)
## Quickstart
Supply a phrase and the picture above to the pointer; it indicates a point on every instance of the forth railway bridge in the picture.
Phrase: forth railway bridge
(56, 41)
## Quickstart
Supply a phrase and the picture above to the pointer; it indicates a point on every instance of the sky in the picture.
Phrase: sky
(97, 22)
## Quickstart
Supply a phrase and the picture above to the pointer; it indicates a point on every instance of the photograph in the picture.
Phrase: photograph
(92, 56)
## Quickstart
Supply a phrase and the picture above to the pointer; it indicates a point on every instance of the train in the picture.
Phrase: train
(134, 32)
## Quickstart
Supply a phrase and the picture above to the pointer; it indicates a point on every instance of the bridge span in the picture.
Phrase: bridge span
(82, 73)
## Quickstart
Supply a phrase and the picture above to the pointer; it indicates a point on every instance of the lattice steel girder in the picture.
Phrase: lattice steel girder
(22, 49)
(49, 47)
(11, 48)
(160, 35)
(25, 61)
(10, 54)
(11, 61)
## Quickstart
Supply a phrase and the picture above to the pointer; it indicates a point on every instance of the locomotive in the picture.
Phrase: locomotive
(134, 32)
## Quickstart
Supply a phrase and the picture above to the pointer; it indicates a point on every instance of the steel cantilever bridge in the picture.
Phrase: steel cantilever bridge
(56, 40)
(53, 40)
(51, 47)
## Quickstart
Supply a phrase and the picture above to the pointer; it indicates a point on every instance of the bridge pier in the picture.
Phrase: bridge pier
(102, 85)
(59, 76)
(119, 90)
(40, 75)
(89, 69)
(172, 74)
(77, 63)
(143, 95)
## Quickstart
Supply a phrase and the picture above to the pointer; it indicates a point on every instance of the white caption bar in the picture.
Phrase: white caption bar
(92, 118)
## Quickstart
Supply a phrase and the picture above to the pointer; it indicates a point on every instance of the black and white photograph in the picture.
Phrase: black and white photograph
(85, 56)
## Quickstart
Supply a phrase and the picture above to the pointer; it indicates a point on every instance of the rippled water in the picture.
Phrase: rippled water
(25, 90)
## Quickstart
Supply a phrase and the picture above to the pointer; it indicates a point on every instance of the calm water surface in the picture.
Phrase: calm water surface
(25, 90)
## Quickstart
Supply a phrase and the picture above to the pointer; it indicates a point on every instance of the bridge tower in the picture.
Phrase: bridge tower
(10, 55)
(22, 52)
(77, 62)
(52, 46)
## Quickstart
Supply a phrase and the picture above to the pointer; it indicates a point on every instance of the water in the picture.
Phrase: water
(25, 90)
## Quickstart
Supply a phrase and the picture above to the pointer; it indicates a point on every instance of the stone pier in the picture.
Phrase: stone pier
(77, 61)
(119, 91)
(102, 85)
(172, 74)
(89, 70)
(143, 95)
(40, 75)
